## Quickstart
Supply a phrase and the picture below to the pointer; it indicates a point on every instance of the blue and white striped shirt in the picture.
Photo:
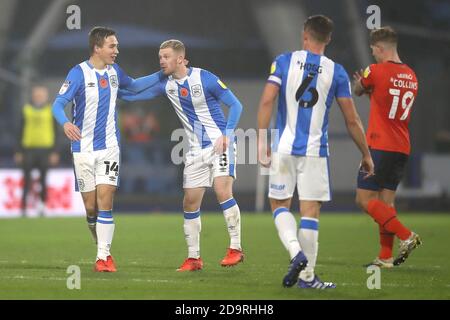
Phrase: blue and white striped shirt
(308, 84)
(196, 99)
(94, 93)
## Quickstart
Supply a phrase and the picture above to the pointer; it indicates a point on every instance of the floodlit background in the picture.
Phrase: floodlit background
(237, 40)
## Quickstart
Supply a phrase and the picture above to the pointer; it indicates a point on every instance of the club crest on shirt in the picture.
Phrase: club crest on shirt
(113, 81)
(64, 87)
(196, 90)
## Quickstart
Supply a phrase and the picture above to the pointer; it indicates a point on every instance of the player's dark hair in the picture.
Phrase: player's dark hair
(384, 34)
(97, 37)
(320, 27)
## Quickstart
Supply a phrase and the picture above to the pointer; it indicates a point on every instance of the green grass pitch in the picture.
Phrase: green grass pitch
(35, 255)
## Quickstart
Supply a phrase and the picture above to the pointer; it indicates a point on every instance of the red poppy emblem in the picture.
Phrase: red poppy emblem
(184, 92)
(103, 83)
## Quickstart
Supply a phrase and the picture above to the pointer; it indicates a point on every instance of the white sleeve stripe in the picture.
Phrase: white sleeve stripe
(274, 79)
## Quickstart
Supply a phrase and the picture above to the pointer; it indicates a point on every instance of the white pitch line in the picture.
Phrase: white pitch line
(151, 280)
(21, 277)
(345, 284)
(392, 285)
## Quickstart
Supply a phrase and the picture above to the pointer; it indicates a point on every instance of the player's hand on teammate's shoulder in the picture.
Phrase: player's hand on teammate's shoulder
(221, 144)
(368, 166)
(72, 131)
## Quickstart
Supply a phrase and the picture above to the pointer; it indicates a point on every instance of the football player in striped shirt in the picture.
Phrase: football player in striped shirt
(306, 82)
(92, 87)
(196, 95)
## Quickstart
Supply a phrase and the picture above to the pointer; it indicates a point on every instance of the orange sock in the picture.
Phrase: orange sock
(385, 216)
(386, 242)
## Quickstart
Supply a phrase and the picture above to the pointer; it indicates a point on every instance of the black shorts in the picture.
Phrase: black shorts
(36, 158)
(389, 171)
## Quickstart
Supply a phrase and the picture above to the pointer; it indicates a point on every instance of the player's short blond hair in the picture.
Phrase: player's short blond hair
(176, 45)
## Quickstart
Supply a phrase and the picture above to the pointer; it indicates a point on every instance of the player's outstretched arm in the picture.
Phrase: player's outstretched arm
(265, 108)
(143, 83)
(147, 94)
(356, 131)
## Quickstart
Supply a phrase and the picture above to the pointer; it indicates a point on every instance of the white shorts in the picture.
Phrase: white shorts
(203, 165)
(310, 174)
(96, 167)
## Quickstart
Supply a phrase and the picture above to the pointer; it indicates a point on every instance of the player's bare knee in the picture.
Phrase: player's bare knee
(276, 203)
(223, 188)
(310, 209)
(361, 202)
(105, 204)
(190, 207)
(190, 204)
(223, 195)
(90, 211)
(105, 199)
(90, 207)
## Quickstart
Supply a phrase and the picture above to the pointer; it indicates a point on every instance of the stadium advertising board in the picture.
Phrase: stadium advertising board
(62, 200)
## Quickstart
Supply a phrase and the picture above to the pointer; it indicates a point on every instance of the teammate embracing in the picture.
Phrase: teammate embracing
(196, 95)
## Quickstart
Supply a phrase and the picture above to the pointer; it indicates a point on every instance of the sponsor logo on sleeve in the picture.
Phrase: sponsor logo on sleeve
(222, 84)
(64, 87)
(366, 72)
(273, 67)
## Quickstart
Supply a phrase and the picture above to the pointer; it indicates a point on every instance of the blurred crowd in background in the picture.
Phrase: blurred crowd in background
(229, 38)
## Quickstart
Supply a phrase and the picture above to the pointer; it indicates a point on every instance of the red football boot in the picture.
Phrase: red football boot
(191, 264)
(105, 266)
(111, 265)
(232, 258)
